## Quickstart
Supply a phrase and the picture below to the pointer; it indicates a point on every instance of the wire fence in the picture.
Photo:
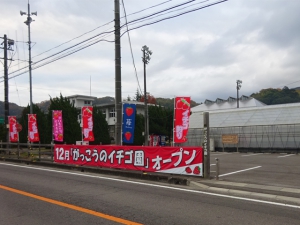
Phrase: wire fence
(262, 137)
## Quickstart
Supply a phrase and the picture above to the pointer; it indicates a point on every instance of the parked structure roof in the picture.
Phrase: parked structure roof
(248, 116)
(230, 103)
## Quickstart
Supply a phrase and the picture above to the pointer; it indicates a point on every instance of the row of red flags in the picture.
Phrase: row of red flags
(57, 126)
(181, 123)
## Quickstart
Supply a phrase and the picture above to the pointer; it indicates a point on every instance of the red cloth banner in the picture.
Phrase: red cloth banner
(57, 125)
(33, 133)
(174, 160)
(87, 123)
(182, 117)
(13, 133)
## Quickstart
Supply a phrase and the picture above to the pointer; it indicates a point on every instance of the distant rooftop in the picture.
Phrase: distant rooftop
(82, 97)
(229, 103)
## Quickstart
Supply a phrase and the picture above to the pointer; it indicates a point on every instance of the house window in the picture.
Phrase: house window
(103, 111)
(73, 102)
(112, 112)
(87, 102)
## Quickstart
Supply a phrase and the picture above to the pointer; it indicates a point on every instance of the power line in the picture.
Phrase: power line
(171, 17)
(131, 49)
(88, 32)
(102, 33)
(81, 48)
(180, 9)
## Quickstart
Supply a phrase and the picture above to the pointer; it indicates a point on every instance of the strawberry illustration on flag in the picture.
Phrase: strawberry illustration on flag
(128, 122)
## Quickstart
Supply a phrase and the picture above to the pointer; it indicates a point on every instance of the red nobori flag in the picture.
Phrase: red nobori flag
(33, 133)
(87, 123)
(13, 133)
(182, 117)
(57, 125)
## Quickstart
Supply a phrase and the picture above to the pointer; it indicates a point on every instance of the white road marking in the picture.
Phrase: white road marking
(221, 154)
(212, 164)
(253, 154)
(161, 186)
(239, 171)
(285, 155)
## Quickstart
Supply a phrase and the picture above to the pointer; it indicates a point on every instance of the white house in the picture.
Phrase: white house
(109, 111)
(81, 100)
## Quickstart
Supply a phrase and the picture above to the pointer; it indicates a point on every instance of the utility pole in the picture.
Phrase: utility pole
(238, 87)
(146, 58)
(7, 44)
(27, 22)
(118, 90)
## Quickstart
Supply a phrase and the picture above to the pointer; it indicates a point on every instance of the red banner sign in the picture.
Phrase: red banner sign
(57, 125)
(87, 123)
(33, 133)
(182, 117)
(174, 160)
(13, 132)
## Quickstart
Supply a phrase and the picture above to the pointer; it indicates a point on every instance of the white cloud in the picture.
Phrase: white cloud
(200, 54)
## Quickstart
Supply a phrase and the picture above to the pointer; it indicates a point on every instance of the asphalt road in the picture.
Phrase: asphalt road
(39, 196)
(258, 168)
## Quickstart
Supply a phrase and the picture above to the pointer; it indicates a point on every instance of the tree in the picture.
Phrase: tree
(3, 132)
(100, 128)
(150, 99)
(139, 129)
(137, 96)
(272, 96)
(160, 120)
(72, 130)
(41, 121)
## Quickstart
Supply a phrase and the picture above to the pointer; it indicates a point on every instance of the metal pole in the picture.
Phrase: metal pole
(217, 169)
(39, 151)
(238, 87)
(237, 96)
(118, 92)
(6, 105)
(206, 148)
(145, 100)
(29, 49)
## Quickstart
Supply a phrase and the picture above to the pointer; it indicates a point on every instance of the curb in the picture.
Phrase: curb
(249, 194)
(161, 177)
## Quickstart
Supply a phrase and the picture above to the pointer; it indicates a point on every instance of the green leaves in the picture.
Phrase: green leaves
(272, 96)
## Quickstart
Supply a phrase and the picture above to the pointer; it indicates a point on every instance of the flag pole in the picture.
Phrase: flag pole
(174, 121)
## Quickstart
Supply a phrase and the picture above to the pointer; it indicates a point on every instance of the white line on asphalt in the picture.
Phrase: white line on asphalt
(212, 164)
(221, 154)
(161, 186)
(253, 154)
(285, 155)
(239, 171)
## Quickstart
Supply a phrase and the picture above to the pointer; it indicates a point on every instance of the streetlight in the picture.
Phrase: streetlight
(146, 58)
(238, 87)
(27, 22)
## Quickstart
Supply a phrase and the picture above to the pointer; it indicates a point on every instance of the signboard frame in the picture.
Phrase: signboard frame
(230, 139)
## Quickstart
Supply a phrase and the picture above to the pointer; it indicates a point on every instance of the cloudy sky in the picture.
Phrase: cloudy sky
(199, 54)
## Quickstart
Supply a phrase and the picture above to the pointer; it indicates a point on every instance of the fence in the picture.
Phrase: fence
(281, 138)
(28, 151)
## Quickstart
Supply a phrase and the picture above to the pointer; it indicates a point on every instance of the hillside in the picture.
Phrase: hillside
(14, 109)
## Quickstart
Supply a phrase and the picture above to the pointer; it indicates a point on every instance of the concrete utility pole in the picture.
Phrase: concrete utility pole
(146, 58)
(206, 145)
(7, 44)
(27, 22)
(118, 88)
(238, 87)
